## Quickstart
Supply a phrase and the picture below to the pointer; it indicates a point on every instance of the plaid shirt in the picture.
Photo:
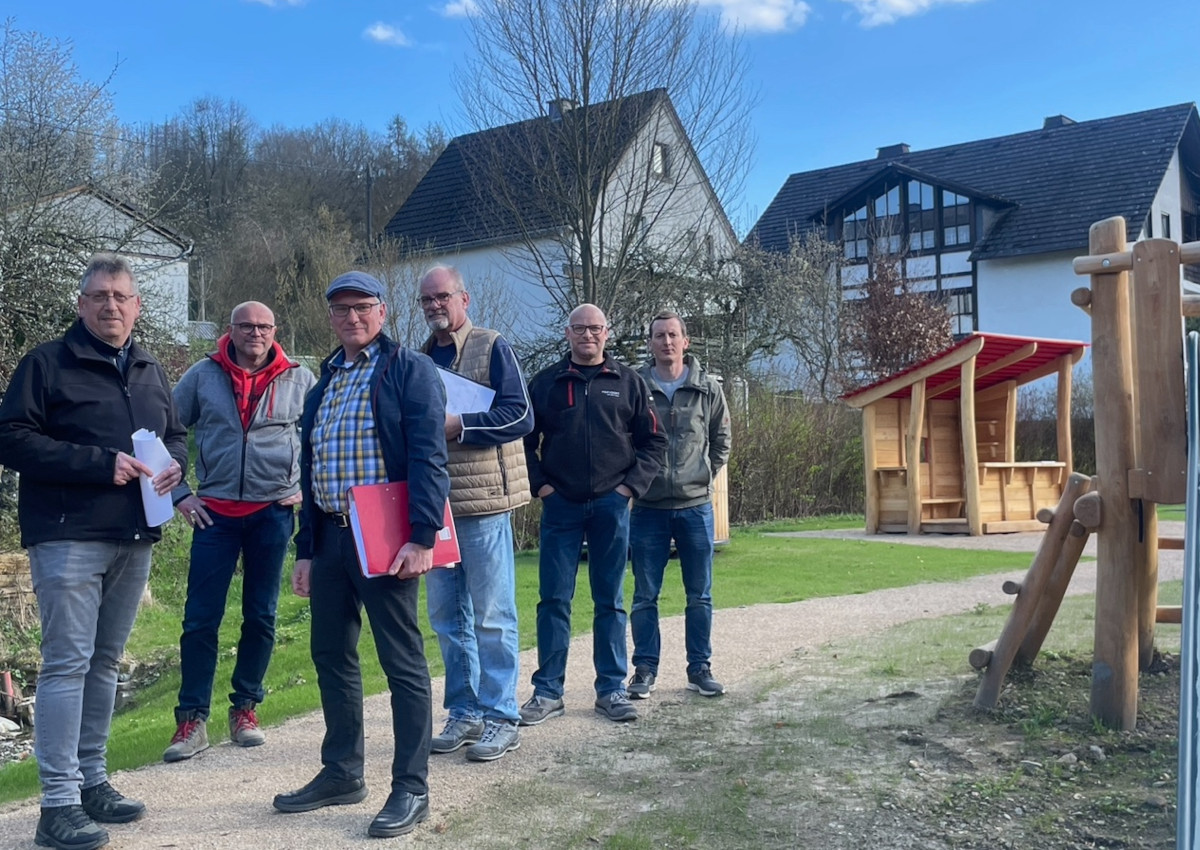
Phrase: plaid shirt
(345, 443)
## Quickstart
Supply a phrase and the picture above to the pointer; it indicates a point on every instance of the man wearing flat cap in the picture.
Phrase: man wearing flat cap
(376, 415)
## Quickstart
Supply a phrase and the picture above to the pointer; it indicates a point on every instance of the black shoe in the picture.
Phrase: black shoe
(322, 791)
(105, 804)
(399, 815)
(68, 828)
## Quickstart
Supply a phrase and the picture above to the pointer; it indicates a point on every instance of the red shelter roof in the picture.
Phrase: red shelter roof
(999, 358)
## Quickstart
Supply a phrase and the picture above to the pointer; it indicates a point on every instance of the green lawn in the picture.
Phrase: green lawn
(751, 569)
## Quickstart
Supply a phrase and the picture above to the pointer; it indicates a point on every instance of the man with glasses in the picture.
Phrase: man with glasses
(596, 444)
(66, 425)
(377, 414)
(243, 403)
(473, 608)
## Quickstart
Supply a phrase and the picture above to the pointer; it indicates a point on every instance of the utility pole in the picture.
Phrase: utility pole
(370, 227)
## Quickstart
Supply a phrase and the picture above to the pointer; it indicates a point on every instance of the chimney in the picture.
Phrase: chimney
(889, 151)
(559, 107)
(1054, 121)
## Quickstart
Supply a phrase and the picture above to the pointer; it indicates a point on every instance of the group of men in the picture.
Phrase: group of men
(587, 436)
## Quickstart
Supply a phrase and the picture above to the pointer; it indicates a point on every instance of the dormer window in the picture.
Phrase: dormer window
(912, 217)
(660, 161)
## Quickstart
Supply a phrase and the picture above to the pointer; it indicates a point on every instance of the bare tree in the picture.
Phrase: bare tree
(639, 92)
(893, 326)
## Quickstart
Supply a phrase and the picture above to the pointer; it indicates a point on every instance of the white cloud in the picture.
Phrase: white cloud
(277, 4)
(382, 33)
(759, 15)
(460, 9)
(877, 12)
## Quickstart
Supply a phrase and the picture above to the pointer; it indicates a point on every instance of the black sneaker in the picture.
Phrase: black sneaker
(616, 706)
(68, 828)
(641, 685)
(703, 682)
(105, 804)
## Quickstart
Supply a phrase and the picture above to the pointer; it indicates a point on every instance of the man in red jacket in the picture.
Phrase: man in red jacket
(243, 403)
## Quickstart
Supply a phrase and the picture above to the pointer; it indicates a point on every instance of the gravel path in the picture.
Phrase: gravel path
(222, 798)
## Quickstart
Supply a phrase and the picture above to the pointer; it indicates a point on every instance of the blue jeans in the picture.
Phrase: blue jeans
(650, 534)
(473, 609)
(604, 522)
(261, 539)
(88, 593)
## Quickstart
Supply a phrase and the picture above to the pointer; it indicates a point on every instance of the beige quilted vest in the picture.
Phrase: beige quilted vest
(483, 480)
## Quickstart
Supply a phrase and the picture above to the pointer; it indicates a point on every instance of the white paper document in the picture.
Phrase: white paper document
(149, 449)
(464, 395)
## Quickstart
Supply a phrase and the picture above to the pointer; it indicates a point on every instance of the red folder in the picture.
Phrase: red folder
(379, 519)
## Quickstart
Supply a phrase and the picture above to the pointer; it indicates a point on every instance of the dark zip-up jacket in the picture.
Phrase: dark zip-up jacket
(67, 412)
(696, 422)
(408, 404)
(591, 436)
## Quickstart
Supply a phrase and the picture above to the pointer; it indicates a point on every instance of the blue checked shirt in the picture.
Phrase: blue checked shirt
(345, 443)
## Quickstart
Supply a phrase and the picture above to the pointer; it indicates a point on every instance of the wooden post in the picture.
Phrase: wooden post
(870, 463)
(1114, 665)
(1030, 594)
(912, 444)
(1146, 570)
(1052, 594)
(1010, 425)
(1065, 452)
(966, 411)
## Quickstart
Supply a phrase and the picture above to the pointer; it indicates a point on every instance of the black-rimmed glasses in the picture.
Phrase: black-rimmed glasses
(341, 311)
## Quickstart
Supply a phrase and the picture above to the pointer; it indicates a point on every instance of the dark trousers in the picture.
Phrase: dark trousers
(339, 592)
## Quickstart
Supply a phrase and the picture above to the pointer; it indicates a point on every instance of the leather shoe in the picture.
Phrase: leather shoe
(322, 791)
(400, 814)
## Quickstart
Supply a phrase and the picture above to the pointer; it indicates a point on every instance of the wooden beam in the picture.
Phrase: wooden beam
(1063, 428)
(1115, 664)
(981, 656)
(966, 412)
(1169, 614)
(1122, 261)
(1022, 353)
(1157, 339)
(948, 361)
(1030, 594)
(870, 462)
(912, 448)
(1010, 425)
(1053, 592)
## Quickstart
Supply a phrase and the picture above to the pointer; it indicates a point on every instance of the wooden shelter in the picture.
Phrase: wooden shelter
(939, 439)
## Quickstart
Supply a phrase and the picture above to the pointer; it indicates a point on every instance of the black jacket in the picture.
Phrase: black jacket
(408, 404)
(65, 415)
(590, 436)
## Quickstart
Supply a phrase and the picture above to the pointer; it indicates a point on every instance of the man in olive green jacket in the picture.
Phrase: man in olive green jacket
(678, 506)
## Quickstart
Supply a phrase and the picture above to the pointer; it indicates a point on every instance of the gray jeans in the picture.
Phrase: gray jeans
(88, 593)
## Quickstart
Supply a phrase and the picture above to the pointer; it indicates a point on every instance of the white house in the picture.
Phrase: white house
(993, 225)
(499, 205)
(159, 256)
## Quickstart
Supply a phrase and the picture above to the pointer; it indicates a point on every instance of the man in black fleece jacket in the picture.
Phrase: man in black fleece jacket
(596, 444)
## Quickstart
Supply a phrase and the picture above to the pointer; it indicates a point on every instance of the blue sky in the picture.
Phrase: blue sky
(835, 78)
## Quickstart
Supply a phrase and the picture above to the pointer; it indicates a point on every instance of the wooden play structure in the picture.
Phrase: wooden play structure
(939, 439)
(1137, 309)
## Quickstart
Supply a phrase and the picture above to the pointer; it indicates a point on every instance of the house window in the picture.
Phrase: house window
(1190, 231)
(660, 161)
(1166, 226)
(888, 224)
(922, 217)
(956, 219)
(854, 232)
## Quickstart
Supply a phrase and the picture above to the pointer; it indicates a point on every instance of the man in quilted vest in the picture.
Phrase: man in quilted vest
(473, 607)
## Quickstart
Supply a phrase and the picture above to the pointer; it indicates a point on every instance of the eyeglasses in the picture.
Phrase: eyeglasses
(341, 311)
(249, 327)
(440, 299)
(101, 298)
(595, 330)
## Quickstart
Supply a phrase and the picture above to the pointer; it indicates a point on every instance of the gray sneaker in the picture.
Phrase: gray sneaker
(498, 739)
(191, 737)
(243, 727)
(641, 684)
(455, 733)
(539, 709)
(703, 682)
(616, 706)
